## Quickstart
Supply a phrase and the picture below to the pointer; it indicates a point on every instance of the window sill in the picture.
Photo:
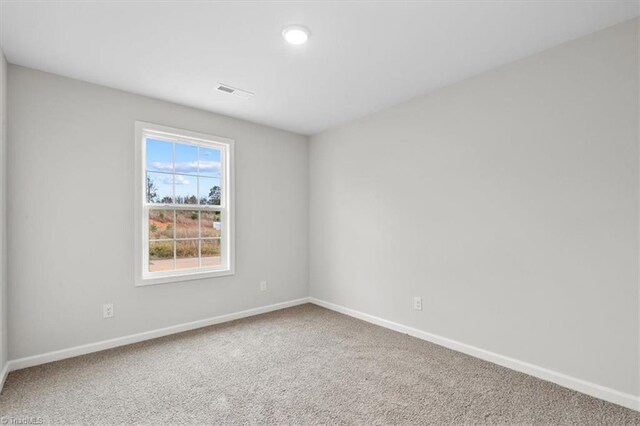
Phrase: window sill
(166, 279)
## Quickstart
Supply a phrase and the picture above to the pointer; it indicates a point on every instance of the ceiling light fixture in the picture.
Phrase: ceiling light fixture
(296, 34)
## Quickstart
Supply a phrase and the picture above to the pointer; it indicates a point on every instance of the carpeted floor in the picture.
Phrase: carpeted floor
(303, 365)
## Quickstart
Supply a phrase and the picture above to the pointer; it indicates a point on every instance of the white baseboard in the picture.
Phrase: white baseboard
(3, 374)
(31, 361)
(592, 389)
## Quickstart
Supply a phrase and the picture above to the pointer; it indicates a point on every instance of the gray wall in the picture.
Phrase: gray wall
(71, 216)
(3, 209)
(509, 202)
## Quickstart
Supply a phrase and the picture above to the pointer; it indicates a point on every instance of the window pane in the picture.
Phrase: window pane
(209, 161)
(210, 192)
(186, 159)
(186, 189)
(210, 225)
(161, 256)
(186, 224)
(159, 188)
(159, 155)
(184, 179)
(187, 254)
(160, 224)
(210, 251)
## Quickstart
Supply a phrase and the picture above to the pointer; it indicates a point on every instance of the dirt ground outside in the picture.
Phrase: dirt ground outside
(188, 263)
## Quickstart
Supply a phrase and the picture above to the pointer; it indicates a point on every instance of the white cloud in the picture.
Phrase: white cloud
(180, 180)
(209, 166)
(188, 166)
(158, 165)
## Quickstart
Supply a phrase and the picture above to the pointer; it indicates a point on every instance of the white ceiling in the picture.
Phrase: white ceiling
(361, 57)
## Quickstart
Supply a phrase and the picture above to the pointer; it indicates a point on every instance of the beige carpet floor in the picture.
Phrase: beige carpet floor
(303, 365)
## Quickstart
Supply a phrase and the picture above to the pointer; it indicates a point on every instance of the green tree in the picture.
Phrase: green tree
(215, 195)
(152, 191)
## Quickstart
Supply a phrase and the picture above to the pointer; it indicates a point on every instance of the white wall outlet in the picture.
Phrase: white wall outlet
(107, 310)
(263, 286)
(417, 303)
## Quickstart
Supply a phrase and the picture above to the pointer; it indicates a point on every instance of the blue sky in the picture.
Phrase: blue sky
(189, 161)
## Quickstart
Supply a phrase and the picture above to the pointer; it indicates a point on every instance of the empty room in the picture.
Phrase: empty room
(320, 212)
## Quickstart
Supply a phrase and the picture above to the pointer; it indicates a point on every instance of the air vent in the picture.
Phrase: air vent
(244, 94)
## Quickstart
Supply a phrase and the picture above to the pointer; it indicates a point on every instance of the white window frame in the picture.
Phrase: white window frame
(141, 227)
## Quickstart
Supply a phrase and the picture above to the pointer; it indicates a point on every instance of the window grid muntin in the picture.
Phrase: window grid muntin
(199, 238)
(221, 148)
(222, 207)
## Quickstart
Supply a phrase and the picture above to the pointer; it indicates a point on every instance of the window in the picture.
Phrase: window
(184, 199)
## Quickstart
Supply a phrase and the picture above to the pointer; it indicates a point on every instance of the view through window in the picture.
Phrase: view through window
(185, 205)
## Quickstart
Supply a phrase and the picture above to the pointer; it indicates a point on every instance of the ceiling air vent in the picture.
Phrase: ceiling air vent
(244, 94)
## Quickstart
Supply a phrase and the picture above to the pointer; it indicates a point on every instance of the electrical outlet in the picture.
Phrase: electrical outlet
(107, 310)
(263, 286)
(417, 303)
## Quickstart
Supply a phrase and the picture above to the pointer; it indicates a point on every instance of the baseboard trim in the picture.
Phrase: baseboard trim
(18, 364)
(583, 386)
(4, 374)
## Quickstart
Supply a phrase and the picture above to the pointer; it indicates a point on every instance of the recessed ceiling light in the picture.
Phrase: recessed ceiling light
(296, 34)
